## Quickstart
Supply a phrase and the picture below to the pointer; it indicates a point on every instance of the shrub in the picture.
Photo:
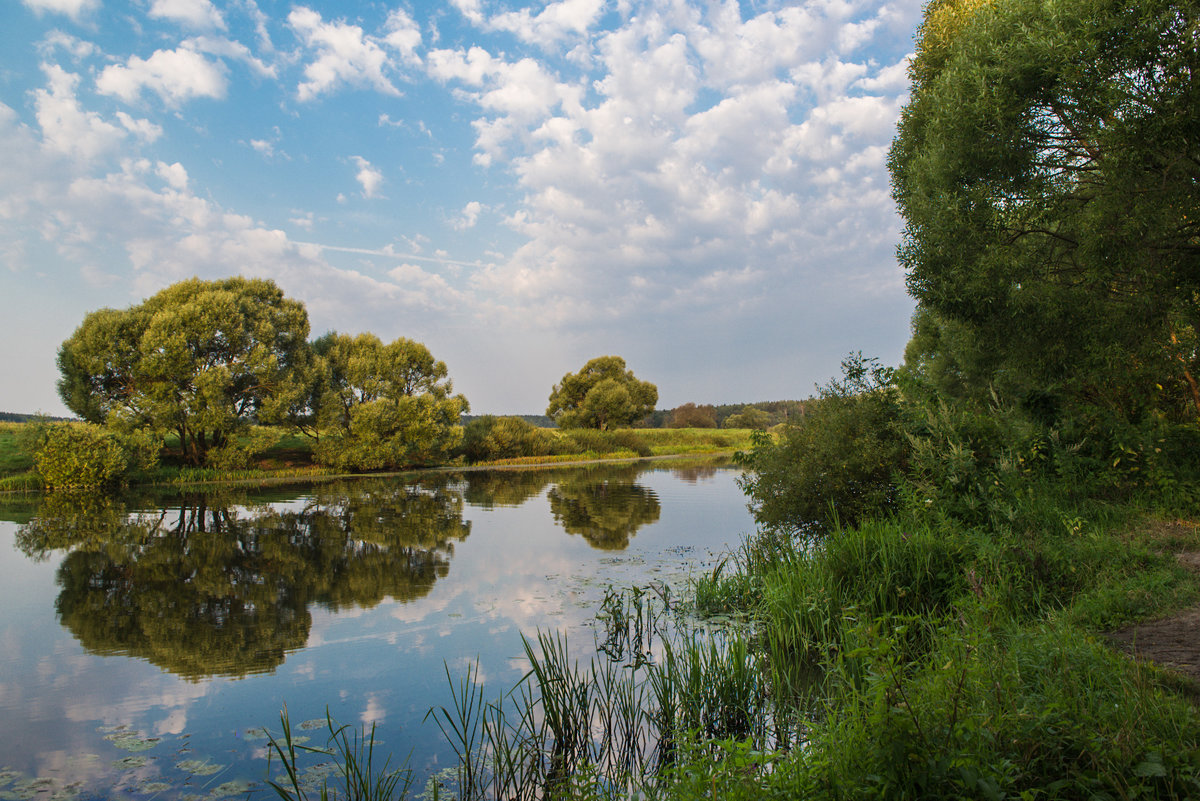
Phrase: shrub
(839, 464)
(490, 438)
(86, 456)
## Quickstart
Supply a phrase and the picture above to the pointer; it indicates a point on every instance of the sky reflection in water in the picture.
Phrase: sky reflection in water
(145, 642)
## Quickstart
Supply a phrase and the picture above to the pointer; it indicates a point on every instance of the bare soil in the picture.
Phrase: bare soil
(1172, 642)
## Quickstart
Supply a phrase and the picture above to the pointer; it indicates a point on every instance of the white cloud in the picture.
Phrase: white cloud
(468, 217)
(174, 75)
(227, 48)
(195, 14)
(66, 127)
(346, 55)
(368, 177)
(77, 48)
(555, 22)
(174, 174)
(74, 9)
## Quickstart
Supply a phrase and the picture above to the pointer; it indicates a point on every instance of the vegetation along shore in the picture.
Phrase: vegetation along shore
(950, 555)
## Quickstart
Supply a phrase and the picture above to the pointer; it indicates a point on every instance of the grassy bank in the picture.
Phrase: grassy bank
(292, 458)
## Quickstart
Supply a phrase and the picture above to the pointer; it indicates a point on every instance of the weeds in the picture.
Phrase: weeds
(354, 754)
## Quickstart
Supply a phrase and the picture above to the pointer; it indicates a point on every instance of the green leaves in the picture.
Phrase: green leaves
(1046, 168)
(201, 358)
(602, 395)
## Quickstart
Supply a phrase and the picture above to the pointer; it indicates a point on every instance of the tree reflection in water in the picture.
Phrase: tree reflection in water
(215, 585)
(222, 585)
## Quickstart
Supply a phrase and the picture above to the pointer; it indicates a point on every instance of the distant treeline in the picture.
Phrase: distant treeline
(14, 417)
(762, 414)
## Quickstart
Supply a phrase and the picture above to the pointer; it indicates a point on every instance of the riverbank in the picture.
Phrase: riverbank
(290, 460)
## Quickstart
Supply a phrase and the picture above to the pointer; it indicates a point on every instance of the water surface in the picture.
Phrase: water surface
(146, 642)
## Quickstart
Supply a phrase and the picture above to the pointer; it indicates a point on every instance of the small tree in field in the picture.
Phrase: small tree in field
(689, 415)
(603, 395)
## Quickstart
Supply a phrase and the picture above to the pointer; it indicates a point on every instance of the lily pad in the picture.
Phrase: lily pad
(132, 741)
(131, 762)
(315, 723)
(236, 787)
(258, 733)
(152, 787)
(199, 767)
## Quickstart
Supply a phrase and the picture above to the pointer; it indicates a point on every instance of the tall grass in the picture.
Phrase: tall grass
(353, 750)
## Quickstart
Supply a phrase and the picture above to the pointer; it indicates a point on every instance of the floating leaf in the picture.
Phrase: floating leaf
(131, 741)
(152, 787)
(131, 762)
(315, 723)
(199, 767)
(236, 787)
(255, 734)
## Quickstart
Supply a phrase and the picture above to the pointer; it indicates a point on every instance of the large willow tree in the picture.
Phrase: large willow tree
(1048, 170)
(201, 359)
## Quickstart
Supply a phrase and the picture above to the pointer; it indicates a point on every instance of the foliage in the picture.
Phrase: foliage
(839, 463)
(602, 395)
(77, 456)
(386, 406)
(202, 359)
(489, 438)
(1052, 221)
(749, 417)
(998, 712)
(354, 752)
(689, 415)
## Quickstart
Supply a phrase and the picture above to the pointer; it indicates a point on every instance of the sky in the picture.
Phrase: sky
(698, 187)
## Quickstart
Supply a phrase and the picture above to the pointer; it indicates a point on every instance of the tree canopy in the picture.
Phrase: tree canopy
(201, 359)
(385, 406)
(1047, 167)
(604, 394)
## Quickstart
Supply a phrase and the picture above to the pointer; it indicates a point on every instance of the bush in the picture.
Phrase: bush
(87, 456)
(490, 438)
(839, 464)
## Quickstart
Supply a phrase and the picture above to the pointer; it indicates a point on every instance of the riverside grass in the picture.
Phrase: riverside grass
(902, 659)
(291, 457)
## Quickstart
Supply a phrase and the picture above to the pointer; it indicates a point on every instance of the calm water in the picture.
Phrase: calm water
(145, 643)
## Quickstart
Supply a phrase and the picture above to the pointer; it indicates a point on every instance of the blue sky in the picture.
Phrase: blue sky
(698, 187)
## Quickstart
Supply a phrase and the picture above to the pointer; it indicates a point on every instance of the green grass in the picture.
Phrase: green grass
(15, 460)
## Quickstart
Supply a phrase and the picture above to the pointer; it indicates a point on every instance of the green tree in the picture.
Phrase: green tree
(602, 395)
(202, 359)
(689, 415)
(840, 463)
(749, 417)
(385, 406)
(1046, 167)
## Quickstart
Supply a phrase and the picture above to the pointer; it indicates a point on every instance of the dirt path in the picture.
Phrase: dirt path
(1173, 642)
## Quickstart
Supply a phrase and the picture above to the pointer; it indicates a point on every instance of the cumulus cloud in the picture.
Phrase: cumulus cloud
(70, 130)
(74, 9)
(468, 217)
(344, 54)
(175, 76)
(368, 177)
(196, 14)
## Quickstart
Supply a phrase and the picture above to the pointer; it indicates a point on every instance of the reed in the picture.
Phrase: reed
(354, 753)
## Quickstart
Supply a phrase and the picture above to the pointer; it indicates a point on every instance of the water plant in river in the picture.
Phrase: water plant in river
(656, 684)
(354, 765)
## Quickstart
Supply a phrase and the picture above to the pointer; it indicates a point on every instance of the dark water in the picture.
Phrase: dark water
(147, 642)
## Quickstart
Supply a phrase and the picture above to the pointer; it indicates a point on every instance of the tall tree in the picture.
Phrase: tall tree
(602, 395)
(385, 406)
(1047, 168)
(202, 359)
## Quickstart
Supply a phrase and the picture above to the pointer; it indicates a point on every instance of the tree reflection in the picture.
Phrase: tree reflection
(606, 509)
(219, 585)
